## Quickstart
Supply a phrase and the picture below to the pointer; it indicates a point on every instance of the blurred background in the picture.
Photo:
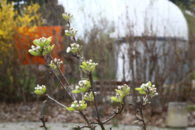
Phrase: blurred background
(133, 41)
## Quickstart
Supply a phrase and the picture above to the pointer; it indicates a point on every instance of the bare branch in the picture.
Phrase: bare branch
(120, 109)
(95, 103)
(62, 105)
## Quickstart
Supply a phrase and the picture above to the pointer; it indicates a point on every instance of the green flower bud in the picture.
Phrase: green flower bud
(40, 90)
(35, 51)
(82, 86)
(74, 48)
(89, 96)
(77, 106)
(147, 89)
(54, 63)
(121, 92)
(70, 32)
(42, 47)
(88, 66)
(67, 16)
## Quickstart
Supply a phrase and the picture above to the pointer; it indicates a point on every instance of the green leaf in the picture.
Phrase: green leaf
(89, 97)
(53, 66)
(36, 42)
(83, 65)
(83, 106)
(70, 34)
(76, 91)
(150, 84)
(34, 53)
(115, 99)
(126, 91)
(52, 47)
(140, 90)
(48, 41)
(70, 109)
(120, 92)
(84, 89)
(66, 16)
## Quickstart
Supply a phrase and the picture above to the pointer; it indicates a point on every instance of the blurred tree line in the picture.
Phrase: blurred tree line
(188, 8)
(50, 10)
(17, 81)
(189, 4)
(11, 23)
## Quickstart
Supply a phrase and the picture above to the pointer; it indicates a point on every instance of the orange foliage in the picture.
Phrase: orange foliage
(24, 41)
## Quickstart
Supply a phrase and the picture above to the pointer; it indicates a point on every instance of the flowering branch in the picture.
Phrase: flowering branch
(85, 86)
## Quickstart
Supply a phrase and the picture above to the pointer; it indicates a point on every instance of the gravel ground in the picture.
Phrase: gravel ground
(68, 126)
(30, 112)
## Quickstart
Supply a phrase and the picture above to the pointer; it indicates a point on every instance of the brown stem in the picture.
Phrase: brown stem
(120, 109)
(142, 116)
(139, 108)
(43, 123)
(62, 84)
(60, 104)
(95, 103)
(87, 121)
(42, 114)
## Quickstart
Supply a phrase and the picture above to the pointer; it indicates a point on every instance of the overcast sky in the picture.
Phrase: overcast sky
(159, 16)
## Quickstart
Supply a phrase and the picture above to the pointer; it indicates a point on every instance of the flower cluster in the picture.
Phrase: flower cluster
(74, 48)
(55, 63)
(121, 92)
(88, 66)
(88, 96)
(82, 86)
(40, 89)
(70, 33)
(67, 16)
(42, 47)
(147, 89)
(77, 106)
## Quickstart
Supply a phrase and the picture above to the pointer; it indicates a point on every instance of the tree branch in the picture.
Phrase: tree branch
(95, 103)
(120, 109)
(60, 104)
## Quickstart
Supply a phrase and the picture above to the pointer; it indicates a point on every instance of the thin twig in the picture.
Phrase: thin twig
(120, 109)
(95, 103)
(139, 106)
(62, 105)
(61, 73)
(42, 118)
(43, 123)
(87, 121)
(62, 84)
